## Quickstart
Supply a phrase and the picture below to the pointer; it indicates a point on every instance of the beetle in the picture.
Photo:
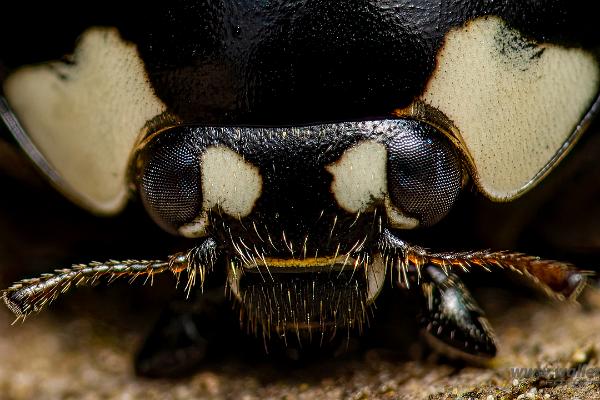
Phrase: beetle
(297, 143)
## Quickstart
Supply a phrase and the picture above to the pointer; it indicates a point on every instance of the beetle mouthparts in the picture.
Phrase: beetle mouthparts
(313, 264)
(298, 295)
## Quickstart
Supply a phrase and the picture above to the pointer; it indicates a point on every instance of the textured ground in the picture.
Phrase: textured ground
(85, 353)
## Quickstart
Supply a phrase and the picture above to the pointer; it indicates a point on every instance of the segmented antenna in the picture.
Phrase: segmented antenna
(32, 295)
(557, 279)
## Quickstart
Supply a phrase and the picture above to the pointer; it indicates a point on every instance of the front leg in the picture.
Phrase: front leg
(453, 322)
(450, 316)
(188, 333)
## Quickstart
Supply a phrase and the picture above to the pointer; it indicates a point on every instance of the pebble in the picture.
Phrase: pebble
(583, 355)
(531, 394)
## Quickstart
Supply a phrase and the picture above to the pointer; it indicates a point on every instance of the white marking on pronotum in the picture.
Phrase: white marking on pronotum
(229, 182)
(515, 102)
(85, 116)
(360, 182)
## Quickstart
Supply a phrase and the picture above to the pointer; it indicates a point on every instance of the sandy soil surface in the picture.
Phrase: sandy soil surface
(85, 352)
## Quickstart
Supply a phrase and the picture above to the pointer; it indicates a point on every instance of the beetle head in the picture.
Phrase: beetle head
(299, 210)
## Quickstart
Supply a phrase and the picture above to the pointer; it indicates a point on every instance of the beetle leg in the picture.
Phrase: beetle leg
(453, 322)
(184, 335)
(31, 295)
(559, 280)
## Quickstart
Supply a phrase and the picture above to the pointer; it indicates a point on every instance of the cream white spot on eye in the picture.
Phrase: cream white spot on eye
(515, 102)
(85, 117)
(359, 176)
(229, 182)
(195, 229)
(397, 219)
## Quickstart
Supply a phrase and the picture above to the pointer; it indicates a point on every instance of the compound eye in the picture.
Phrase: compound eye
(169, 180)
(424, 173)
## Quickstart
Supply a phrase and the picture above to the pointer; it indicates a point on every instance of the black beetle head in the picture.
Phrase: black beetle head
(296, 202)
